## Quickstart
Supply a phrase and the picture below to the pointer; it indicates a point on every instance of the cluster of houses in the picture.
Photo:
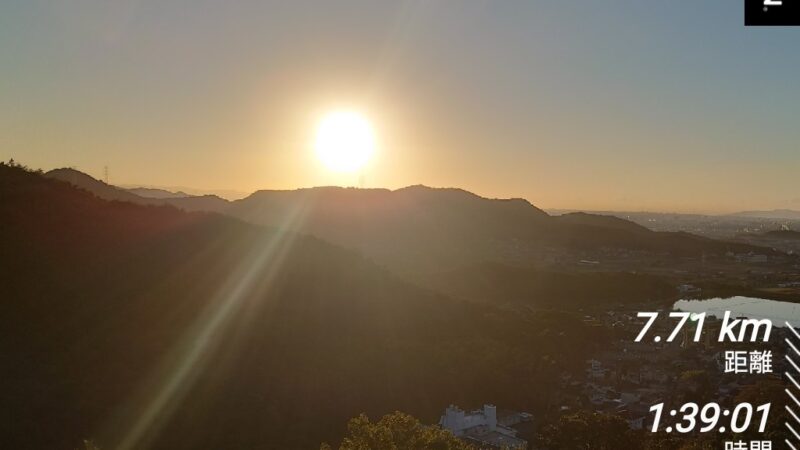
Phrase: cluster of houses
(630, 377)
(626, 379)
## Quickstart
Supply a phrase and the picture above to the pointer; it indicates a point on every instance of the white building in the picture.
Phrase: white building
(480, 427)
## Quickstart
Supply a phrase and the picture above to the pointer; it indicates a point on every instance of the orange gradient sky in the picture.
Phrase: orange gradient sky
(602, 105)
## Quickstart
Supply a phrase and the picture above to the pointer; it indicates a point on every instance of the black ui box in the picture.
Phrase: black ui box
(772, 12)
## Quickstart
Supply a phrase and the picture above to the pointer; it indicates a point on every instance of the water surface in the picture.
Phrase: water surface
(751, 307)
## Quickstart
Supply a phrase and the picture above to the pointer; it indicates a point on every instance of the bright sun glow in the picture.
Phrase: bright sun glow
(345, 141)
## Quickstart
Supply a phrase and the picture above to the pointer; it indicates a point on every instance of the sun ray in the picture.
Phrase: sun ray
(174, 378)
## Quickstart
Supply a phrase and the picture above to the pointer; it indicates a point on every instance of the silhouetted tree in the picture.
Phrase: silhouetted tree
(396, 431)
(589, 431)
(88, 444)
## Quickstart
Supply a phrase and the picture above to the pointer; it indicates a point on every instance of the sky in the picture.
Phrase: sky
(613, 105)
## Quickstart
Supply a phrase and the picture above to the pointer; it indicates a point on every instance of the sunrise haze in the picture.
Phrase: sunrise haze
(588, 105)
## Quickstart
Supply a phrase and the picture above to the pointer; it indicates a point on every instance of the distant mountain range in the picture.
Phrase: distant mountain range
(777, 214)
(420, 229)
(157, 193)
(138, 196)
(786, 214)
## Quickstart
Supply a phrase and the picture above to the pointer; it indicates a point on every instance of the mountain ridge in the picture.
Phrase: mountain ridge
(419, 229)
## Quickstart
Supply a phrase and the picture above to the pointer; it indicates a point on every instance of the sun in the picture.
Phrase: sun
(345, 141)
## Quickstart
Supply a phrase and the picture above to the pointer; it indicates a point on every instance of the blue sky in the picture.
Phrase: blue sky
(597, 105)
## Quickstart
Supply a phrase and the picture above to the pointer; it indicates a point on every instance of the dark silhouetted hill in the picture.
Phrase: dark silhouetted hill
(503, 284)
(142, 326)
(96, 187)
(602, 221)
(156, 193)
(421, 230)
(782, 234)
(140, 196)
(207, 203)
(412, 228)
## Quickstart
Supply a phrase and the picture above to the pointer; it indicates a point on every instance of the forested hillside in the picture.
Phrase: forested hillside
(132, 324)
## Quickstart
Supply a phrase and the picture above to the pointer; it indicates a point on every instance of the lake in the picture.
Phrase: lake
(750, 307)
